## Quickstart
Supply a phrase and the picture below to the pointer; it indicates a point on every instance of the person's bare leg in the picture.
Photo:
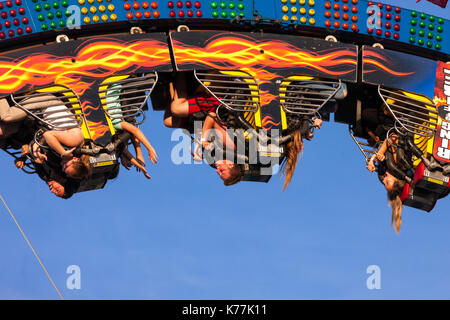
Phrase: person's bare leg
(10, 114)
(171, 121)
(69, 138)
(179, 106)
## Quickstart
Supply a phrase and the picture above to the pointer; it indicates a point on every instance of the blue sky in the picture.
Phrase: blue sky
(183, 235)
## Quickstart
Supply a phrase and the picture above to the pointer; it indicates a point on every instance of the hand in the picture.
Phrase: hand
(68, 153)
(206, 145)
(318, 123)
(371, 166)
(209, 146)
(140, 167)
(146, 175)
(141, 161)
(38, 161)
(25, 149)
(198, 154)
(19, 163)
(39, 157)
(152, 155)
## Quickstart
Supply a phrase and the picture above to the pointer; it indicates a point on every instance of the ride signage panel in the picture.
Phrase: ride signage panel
(442, 100)
(399, 70)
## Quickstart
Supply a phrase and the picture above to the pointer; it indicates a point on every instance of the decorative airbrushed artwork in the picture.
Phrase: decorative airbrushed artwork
(81, 66)
(268, 59)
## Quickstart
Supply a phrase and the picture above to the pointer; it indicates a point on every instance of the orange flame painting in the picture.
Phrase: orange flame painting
(268, 122)
(82, 65)
(96, 60)
(97, 129)
(259, 58)
(267, 59)
(374, 61)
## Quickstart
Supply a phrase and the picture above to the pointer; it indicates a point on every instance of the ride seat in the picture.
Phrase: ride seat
(56, 107)
(95, 182)
(124, 97)
(305, 95)
(434, 181)
(238, 91)
(418, 198)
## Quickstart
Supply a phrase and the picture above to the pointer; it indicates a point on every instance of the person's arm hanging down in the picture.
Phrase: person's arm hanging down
(139, 135)
(391, 141)
(138, 150)
(127, 158)
(226, 141)
(208, 124)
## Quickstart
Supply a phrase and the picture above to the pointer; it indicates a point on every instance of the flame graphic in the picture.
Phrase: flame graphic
(266, 97)
(268, 122)
(233, 51)
(379, 61)
(95, 60)
(263, 60)
(97, 129)
(439, 101)
(87, 108)
(440, 97)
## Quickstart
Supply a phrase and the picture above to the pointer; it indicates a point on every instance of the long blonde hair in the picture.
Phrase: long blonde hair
(293, 148)
(396, 205)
